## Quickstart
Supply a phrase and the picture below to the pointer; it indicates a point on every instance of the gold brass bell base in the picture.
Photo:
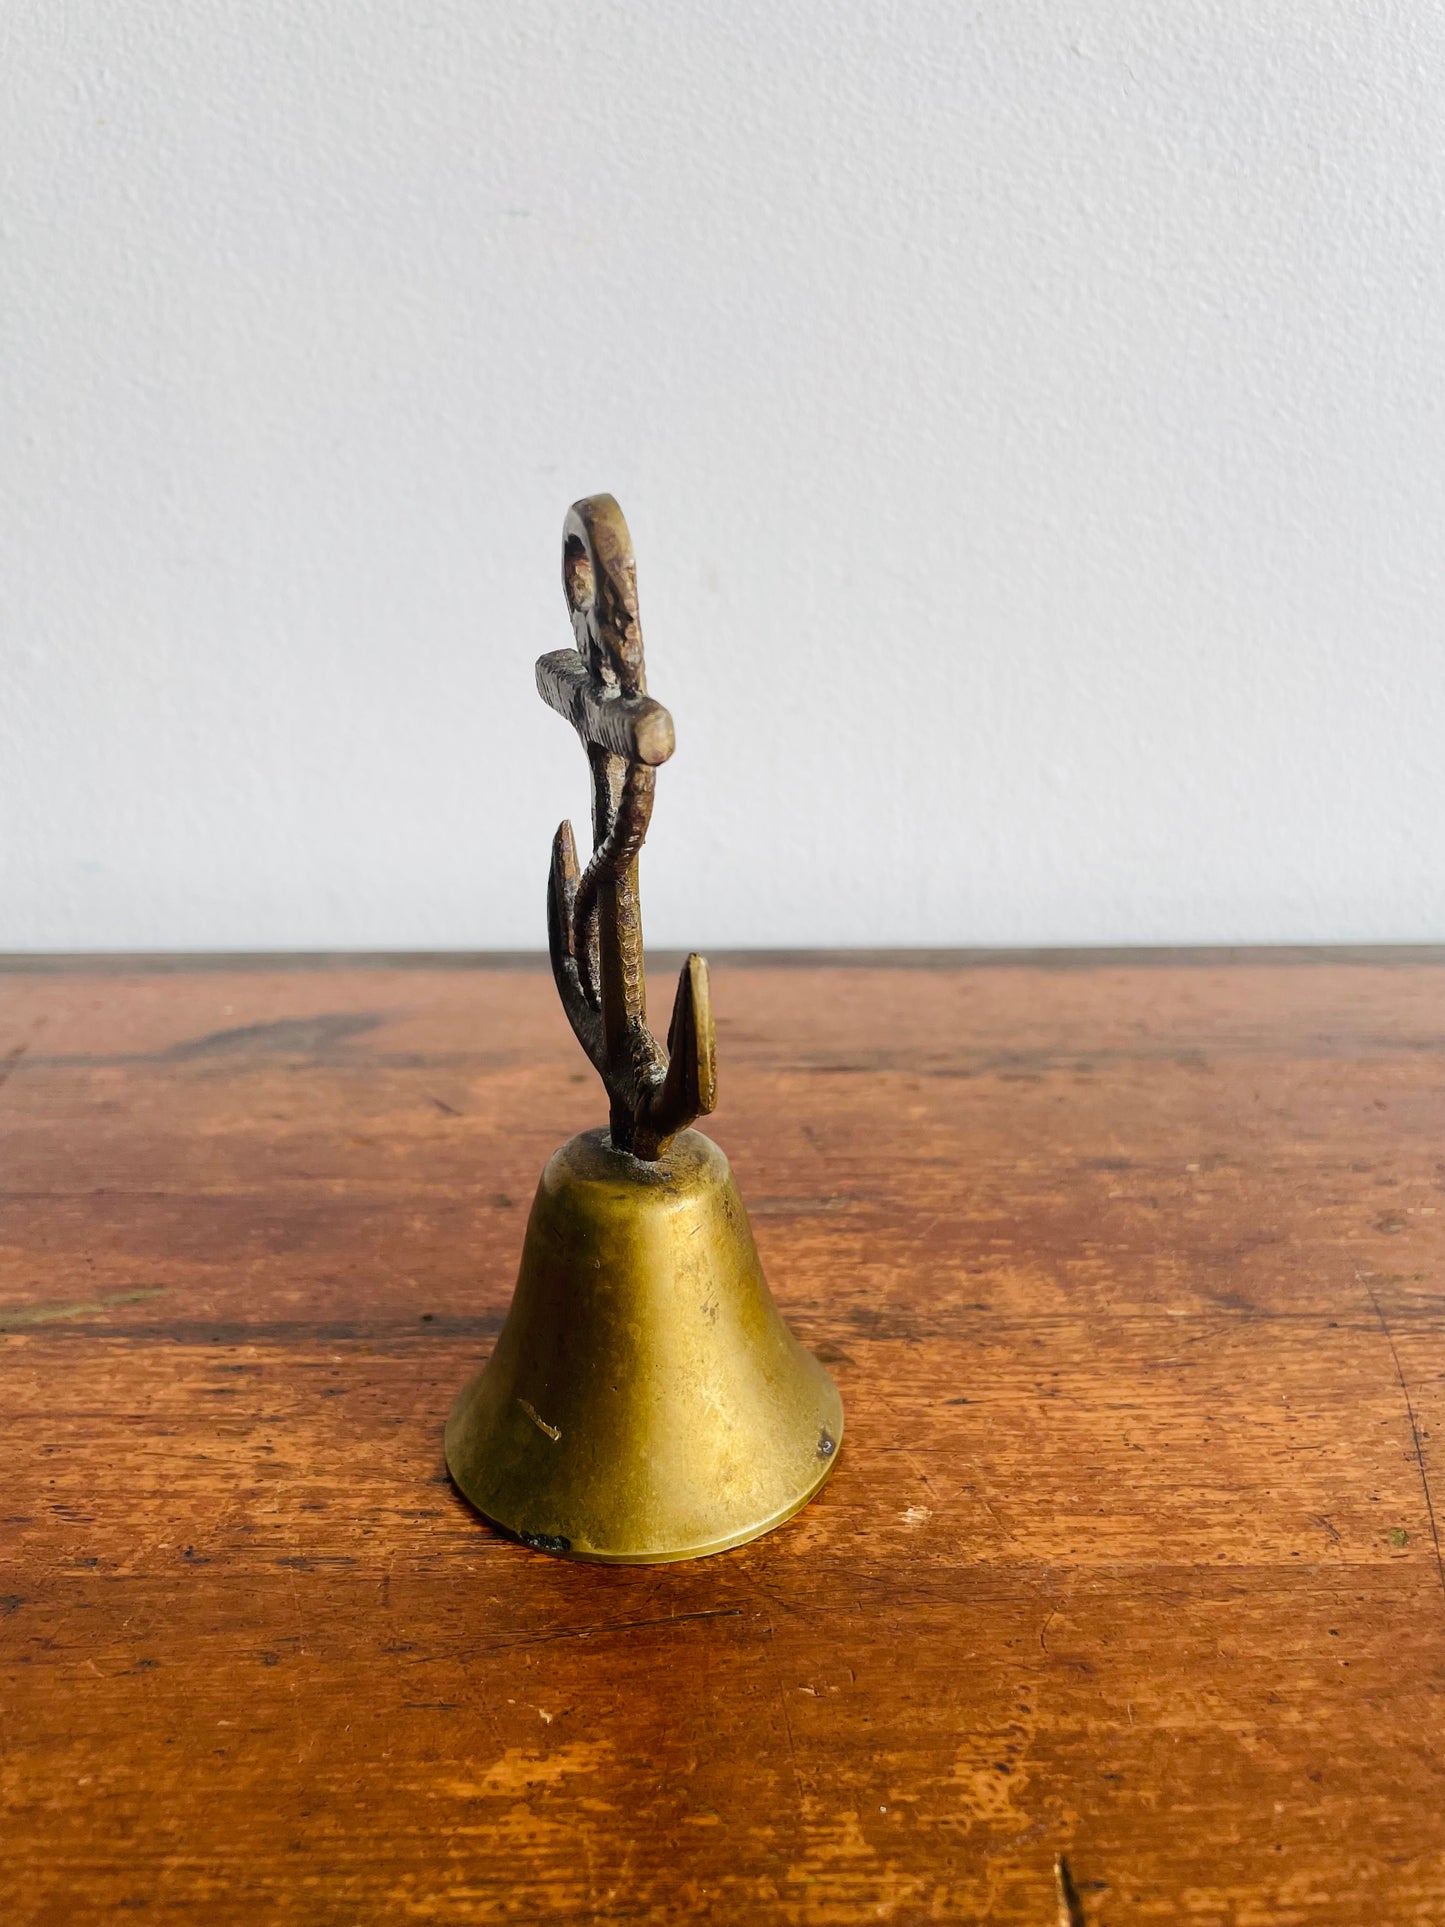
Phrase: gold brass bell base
(645, 1401)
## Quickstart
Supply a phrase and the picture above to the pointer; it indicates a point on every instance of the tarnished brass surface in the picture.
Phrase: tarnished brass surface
(645, 1401)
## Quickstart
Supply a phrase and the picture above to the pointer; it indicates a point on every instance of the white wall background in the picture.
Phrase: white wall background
(1029, 415)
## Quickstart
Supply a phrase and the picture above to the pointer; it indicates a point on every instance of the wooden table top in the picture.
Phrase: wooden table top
(1129, 1272)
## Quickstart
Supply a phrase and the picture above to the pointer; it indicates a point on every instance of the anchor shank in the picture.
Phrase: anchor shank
(622, 805)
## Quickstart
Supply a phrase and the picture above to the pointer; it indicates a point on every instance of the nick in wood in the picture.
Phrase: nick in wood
(645, 1401)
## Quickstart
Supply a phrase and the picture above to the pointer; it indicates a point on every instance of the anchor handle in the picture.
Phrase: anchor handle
(594, 916)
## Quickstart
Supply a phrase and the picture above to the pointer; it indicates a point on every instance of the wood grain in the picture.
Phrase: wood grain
(1130, 1277)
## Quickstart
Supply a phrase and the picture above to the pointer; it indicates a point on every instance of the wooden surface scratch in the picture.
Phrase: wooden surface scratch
(1130, 1277)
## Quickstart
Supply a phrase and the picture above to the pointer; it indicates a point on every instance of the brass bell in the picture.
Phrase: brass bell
(645, 1401)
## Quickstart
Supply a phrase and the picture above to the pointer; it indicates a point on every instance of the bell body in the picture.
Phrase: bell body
(645, 1401)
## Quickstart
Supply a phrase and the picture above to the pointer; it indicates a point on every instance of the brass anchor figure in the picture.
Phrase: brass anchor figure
(645, 1401)
(594, 920)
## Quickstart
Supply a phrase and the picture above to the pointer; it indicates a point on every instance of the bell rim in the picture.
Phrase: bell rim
(591, 1556)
